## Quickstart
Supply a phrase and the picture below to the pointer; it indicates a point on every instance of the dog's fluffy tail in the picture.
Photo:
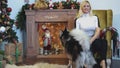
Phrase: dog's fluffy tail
(81, 37)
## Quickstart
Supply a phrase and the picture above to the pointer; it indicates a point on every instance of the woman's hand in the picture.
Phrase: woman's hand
(96, 35)
(91, 41)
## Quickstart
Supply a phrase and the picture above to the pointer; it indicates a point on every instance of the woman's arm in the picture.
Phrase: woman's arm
(77, 24)
(96, 35)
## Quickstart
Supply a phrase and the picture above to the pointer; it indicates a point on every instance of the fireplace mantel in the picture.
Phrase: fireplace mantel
(38, 16)
(55, 15)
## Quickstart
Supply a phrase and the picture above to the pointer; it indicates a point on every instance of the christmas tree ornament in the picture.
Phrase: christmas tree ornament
(8, 27)
(16, 23)
(5, 22)
(4, 4)
(2, 29)
(3, 16)
(9, 9)
(8, 23)
(1, 40)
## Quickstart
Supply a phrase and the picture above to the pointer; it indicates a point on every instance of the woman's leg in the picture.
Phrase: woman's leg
(103, 64)
(103, 54)
(99, 46)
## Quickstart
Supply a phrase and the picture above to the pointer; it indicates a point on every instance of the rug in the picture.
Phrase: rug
(37, 65)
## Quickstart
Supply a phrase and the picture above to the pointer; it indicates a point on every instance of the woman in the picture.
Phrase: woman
(89, 23)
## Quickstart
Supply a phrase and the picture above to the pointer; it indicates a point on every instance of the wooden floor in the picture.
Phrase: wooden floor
(54, 59)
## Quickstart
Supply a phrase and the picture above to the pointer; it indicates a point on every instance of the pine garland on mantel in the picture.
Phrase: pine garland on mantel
(21, 18)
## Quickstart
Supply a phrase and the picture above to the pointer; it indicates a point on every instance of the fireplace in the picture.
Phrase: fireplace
(55, 20)
(54, 38)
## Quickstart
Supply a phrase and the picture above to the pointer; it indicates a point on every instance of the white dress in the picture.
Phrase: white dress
(87, 23)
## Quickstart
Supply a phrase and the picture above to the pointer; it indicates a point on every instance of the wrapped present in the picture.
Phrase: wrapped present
(14, 53)
(2, 64)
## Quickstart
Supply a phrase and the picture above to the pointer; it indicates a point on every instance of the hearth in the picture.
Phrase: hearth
(55, 20)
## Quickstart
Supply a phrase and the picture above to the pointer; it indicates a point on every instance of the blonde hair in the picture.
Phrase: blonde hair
(80, 12)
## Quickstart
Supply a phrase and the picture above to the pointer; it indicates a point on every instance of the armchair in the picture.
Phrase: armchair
(105, 19)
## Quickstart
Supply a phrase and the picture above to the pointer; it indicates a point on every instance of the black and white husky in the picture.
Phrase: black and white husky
(77, 47)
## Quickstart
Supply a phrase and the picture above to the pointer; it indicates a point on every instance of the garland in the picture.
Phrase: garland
(21, 17)
(67, 5)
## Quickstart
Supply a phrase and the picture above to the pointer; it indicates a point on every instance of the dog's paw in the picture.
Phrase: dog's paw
(69, 66)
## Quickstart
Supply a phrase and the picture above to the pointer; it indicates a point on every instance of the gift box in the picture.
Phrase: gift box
(10, 52)
(2, 64)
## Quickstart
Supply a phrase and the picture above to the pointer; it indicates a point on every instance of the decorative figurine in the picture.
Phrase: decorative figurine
(51, 4)
(46, 40)
(40, 4)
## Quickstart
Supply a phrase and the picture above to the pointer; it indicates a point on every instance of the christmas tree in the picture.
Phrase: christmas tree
(6, 23)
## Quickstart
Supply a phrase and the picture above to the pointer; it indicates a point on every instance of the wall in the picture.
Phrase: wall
(109, 4)
(96, 4)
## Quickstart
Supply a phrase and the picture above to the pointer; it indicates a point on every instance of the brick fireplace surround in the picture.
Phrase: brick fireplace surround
(38, 16)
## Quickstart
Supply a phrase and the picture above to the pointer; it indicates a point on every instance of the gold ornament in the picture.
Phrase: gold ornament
(40, 4)
(0, 20)
(1, 40)
(8, 22)
(60, 5)
(3, 16)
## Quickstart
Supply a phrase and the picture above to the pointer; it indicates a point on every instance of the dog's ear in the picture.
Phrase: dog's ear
(66, 30)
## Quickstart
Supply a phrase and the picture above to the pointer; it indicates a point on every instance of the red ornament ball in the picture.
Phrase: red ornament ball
(9, 9)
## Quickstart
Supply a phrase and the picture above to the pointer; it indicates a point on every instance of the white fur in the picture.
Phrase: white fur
(85, 57)
(82, 37)
(37, 65)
